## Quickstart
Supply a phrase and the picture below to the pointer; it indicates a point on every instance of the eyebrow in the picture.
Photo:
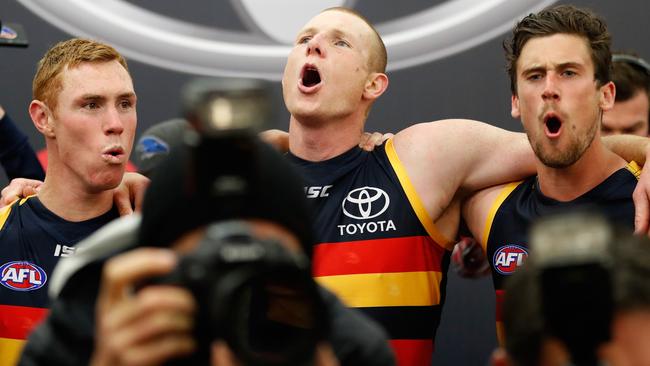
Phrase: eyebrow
(563, 65)
(127, 95)
(336, 32)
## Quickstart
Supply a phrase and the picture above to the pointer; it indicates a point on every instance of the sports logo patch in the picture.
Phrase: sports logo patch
(508, 258)
(149, 146)
(365, 203)
(22, 276)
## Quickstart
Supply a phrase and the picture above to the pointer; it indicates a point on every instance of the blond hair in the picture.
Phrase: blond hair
(47, 82)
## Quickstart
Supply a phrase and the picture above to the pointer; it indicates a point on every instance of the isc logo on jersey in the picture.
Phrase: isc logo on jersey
(22, 276)
(508, 258)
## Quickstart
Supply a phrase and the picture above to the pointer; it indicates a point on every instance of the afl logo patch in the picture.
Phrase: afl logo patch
(22, 276)
(508, 258)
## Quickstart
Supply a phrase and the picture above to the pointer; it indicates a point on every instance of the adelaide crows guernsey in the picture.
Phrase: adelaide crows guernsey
(32, 239)
(379, 250)
(519, 204)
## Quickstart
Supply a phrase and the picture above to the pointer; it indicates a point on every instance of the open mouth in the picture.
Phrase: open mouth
(553, 125)
(113, 153)
(310, 76)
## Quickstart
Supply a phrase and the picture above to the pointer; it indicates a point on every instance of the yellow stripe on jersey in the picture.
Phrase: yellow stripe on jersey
(5, 211)
(4, 214)
(414, 198)
(385, 289)
(634, 168)
(10, 351)
(505, 192)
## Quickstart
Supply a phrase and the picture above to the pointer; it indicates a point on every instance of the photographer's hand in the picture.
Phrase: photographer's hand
(128, 196)
(147, 327)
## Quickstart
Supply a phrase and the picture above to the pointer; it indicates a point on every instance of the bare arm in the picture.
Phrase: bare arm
(629, 147)
(635, 148)
(446, 156)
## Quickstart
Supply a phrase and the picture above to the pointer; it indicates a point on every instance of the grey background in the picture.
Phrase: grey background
(471, 84)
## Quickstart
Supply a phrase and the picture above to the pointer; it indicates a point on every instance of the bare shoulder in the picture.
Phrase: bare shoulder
(439, 130)
(432, 155)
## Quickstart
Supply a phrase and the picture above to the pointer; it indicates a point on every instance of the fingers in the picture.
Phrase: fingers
(641, 209)
(469, 259)
(147, 327)
(221, 355)
(150, 328)
(123, 271)
(19, 188)
(277, 138)
(325, 356)
(129, 195)
(122, 200)
(369, 141)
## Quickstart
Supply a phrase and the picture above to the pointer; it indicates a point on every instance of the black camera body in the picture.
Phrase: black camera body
(255, 294)
(572, 254)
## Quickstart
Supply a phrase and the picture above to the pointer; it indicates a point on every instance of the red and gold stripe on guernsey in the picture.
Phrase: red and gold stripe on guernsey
(381, 272)
(499, 316)
(16, 322)
(414, 198)
(412, 352)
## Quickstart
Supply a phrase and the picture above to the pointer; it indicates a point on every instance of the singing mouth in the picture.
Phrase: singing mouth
(113, 154)
(310, 76)
(553, 125)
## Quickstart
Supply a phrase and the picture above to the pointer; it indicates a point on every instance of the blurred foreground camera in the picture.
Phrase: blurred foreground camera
(251, 292)
(572, 255)
(254, 294)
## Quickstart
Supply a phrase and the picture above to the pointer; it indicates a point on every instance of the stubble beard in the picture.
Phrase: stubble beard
(568, 157)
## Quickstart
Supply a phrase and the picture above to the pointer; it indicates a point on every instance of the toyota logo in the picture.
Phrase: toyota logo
(365, 203)
(439, 31)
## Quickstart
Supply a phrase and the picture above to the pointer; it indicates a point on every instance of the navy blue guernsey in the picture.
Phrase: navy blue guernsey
(32, 240)
(519, 204)
(378, 249)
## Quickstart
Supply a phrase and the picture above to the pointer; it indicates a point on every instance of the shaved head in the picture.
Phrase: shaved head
(378, 56)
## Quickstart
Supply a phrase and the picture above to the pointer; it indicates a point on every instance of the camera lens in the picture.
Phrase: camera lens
(275, 318)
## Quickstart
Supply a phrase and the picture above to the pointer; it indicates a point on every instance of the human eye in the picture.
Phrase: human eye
(90, 105)
(304, 39)
(126, 104)
(569, 73)
(342, 43)
(534, 76)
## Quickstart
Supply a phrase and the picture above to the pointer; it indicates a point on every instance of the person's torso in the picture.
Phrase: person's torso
(376, 249)
(32, 240)
(521, 203)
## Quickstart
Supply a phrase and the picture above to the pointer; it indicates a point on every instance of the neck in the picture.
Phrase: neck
(68, 198)
(593, 167)
(322, 141)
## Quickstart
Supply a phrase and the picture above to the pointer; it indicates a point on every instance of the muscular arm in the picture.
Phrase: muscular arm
(448, 160)
(450, 156)
(629, 147)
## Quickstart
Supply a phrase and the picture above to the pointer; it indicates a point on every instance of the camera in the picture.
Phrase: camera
(254, 294)
(572, 254)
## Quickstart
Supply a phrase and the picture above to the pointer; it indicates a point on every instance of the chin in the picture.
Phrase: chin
(107, 180)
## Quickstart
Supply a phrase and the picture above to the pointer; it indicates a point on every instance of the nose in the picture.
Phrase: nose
(551, 91)
(315, 47)
(113, 124)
